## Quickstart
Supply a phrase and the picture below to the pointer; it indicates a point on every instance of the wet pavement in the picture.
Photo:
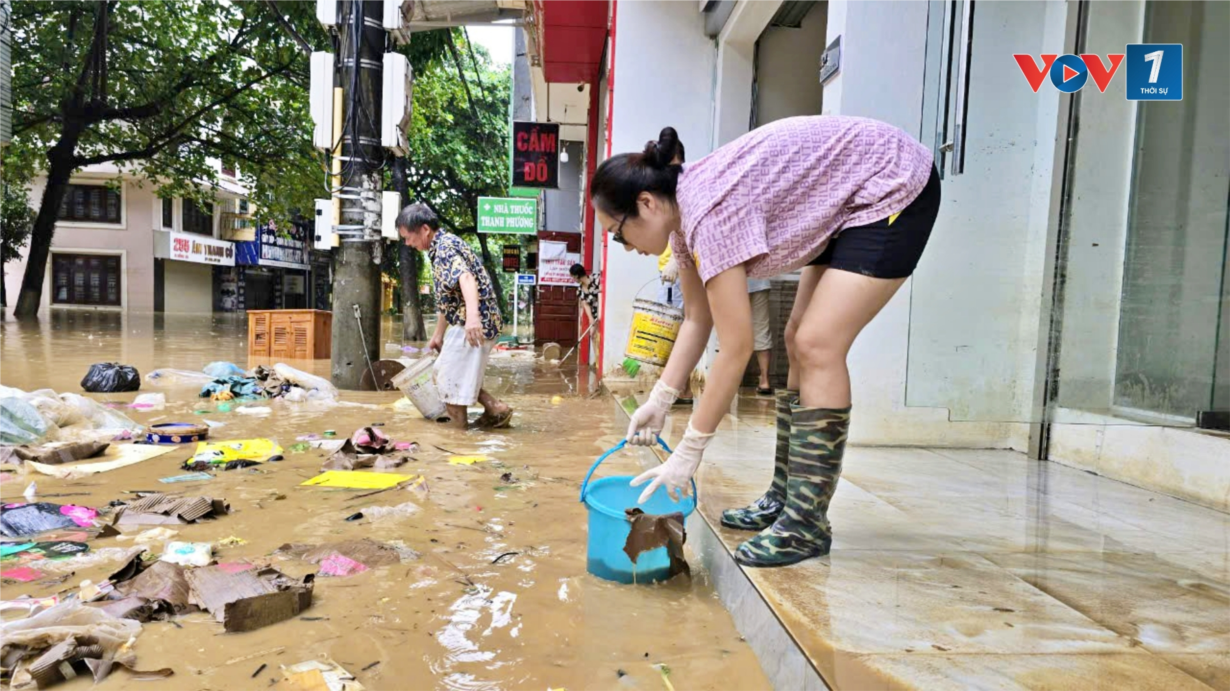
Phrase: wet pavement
(958, 569)
(499, 598)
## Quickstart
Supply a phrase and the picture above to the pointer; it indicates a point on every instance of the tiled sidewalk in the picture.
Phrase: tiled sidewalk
(971, 569)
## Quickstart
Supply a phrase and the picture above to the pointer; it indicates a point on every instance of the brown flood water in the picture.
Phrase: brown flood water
(450, 620)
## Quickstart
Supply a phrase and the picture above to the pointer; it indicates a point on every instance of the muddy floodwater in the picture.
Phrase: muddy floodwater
(498, 599)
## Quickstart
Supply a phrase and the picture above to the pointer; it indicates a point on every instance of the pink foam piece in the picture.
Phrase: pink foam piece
(81, 515)
(338, 565)
(234, 566)
(24, 574)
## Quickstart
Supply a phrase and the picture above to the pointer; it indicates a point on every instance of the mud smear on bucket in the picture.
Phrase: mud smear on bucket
(651, 531)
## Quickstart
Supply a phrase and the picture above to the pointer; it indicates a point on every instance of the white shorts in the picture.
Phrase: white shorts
(460, 367)
(670, 294)
(762, 335)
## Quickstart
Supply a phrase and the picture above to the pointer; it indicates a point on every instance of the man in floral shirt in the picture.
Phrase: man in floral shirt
(468, 317)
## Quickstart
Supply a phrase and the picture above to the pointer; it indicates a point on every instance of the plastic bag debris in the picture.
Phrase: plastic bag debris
(254, 410)
(399, 511)
(150, 536)
(31, 492)
(28, 519)
(178, 377)
(25, 574)
(322, 387)
(320, 675)
(221, 370)
(20, 422)
(227, 388)
(69, 637)
(340, 565)
(81, 562)
(31, 552)
(189, 477)
(188, 553)
(151, 401)
(111, 377)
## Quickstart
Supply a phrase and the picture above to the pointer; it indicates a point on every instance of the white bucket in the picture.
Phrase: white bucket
(417, 382)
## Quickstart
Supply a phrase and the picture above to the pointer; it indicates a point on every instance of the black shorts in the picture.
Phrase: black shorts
(888, 248)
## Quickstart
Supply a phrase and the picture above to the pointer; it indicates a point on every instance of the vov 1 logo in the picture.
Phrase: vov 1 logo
(1069, 72)
(1154, 71)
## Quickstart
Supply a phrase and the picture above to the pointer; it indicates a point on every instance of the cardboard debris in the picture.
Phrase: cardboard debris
(249, 600)
(117, 456)
(353, 479)
(366, 552)
(53, 454)
(650, 531)
(368, 447)
(162, 581)
(320, 675)
(159, 509)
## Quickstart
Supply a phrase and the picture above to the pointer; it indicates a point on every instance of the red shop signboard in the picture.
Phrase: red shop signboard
(535, 156)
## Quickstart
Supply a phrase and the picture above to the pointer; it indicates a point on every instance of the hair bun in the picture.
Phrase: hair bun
(651, 154)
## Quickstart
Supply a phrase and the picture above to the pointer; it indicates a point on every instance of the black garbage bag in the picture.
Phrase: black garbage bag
(110, 377)
(17, 520)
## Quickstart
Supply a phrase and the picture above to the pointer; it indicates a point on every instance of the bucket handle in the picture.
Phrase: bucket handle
(619, 447)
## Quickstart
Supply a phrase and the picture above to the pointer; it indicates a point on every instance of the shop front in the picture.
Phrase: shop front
(271, 272)
(183, 271)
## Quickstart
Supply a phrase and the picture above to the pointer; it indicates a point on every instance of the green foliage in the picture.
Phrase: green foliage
(16, 222)
(180, 83)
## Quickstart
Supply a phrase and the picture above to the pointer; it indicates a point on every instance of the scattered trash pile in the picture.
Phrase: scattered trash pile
(90, 628)
(232, 454)
(226, 381)
(44, 415)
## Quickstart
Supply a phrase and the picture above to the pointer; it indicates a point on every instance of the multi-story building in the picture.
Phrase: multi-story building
(120, 246)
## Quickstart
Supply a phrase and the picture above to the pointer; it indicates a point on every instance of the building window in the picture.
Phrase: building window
(86, 279)
(198, 219)
(243, 206)
(90, 204)
(228, 169)
(168, 213)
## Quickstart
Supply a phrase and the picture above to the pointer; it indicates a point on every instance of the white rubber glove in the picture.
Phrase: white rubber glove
(670, 272)
(649, 419)
(676, 473)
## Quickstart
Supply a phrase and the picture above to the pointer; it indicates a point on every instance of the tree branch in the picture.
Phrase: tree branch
(290, 29)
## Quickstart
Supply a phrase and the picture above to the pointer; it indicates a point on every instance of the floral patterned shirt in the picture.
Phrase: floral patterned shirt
(591, 292)
(450, 258)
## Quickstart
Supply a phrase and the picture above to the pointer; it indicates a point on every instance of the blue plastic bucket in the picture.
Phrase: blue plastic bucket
(606, 499)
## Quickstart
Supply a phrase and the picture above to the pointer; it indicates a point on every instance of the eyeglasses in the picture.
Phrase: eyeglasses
(618, 233)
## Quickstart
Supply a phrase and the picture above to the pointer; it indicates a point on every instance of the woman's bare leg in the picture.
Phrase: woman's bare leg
(843, 303)
(807, 287)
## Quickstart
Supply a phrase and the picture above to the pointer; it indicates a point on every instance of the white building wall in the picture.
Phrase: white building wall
(961, 336)
(663, 76)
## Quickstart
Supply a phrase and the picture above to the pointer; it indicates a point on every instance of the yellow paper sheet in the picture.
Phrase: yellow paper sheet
(239, 449)
(356, 479)
(116, 456)
(466, 460)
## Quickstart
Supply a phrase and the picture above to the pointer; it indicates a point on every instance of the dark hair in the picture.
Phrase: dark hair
(620, 179)
(416, 215)
(577, 270)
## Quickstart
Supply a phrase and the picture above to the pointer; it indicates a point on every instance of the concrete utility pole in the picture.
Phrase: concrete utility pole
(356, 263)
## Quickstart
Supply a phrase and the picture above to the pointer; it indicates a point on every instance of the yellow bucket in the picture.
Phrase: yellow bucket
(654, 329)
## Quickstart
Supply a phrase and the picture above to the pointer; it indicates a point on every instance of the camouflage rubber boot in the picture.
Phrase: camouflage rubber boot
(762, 512)
(817, 443)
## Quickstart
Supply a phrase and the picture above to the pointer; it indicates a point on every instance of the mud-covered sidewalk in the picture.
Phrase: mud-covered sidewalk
(487, 586)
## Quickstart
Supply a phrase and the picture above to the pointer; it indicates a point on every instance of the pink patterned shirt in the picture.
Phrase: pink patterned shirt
(772, 198)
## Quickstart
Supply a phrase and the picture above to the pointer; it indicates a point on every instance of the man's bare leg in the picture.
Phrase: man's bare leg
(496, 413)
(457, 415)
